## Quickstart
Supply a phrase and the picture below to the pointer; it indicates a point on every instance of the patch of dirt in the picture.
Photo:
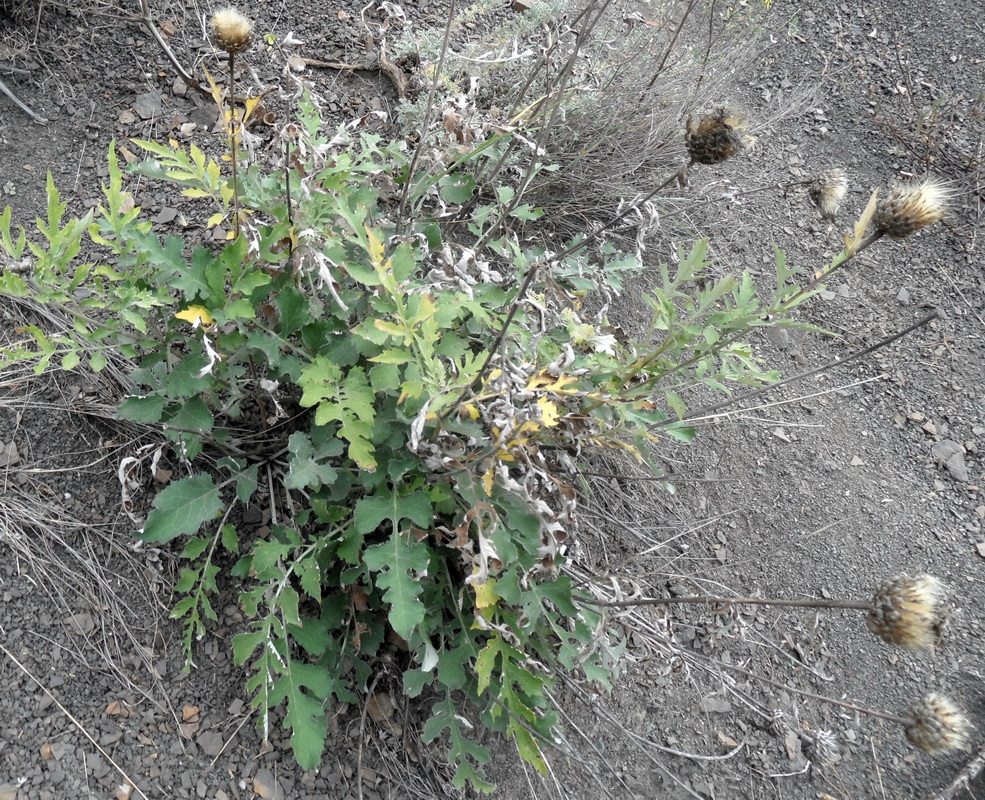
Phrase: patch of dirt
(820, 489)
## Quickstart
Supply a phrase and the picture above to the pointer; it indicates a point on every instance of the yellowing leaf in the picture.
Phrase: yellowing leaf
(548, 412)
(250, 106)
(487, 481)
(493, 375)
(196, 315)
(425, 311)
(544, 381)
(390, 328)
(215, 91)
(485, 594)
(375, 250)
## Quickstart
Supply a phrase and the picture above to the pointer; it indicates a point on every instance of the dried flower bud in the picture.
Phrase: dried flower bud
(908, 612)
(828, 190)
(714, 138)
(231, 31)
(824, 748)
(908, 207)
(936, 725)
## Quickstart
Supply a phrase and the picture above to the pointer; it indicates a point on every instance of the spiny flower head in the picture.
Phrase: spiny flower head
(935, 724)
(908, 611)
(828, 190)
(908, 207)
(231, 31)
(714, 138)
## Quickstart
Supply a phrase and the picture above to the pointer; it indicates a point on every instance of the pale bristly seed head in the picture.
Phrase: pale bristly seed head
(231, 31)
(936, 725)
(778, 724)
(908, 612)
(908, 207)
(828, 190)
(824, 748)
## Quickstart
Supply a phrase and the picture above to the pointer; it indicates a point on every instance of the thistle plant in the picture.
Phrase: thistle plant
(908, 207)
(828, 191)
(407, 381)
(906, 611)
(936, 725)
(824, 748)
(232, 32)
(713, 138)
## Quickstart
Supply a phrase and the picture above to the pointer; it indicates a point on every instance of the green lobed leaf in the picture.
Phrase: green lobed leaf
(306, 467)
(193, 415)
(194, 547)
(347, 399)
(304, 688)
(462, 751)
(186, 582)
(182, 508)
(142, 409)
(244, 476)
(245, 643)
(190, 279)
(371, 511)
(293, 309)
(400, 564)
(457, 188)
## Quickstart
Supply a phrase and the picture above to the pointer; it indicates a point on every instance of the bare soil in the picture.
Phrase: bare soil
(819, 489)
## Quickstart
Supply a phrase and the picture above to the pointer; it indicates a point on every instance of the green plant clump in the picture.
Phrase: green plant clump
(408, 408)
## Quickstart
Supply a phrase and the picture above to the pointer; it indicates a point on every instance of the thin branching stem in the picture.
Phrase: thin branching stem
(733, 402)
(429, 111)
(672, 43)
(233, 133)
(802, 692)
(730, 601)
(554, 95)
(190, 82)
(532, 272)
(785, 305)
(22, 106)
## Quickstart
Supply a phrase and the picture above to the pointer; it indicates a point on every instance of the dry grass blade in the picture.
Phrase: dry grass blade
(69, 560)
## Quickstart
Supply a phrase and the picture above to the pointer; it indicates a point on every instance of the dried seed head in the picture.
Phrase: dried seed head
(909, 612)
(231, 31)
(908, 207)
(778, 724)
(828, 190)
(936, 725)
(824, 748)
(714, 138)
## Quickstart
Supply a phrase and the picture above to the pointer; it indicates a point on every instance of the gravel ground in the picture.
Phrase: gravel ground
(820, 489)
